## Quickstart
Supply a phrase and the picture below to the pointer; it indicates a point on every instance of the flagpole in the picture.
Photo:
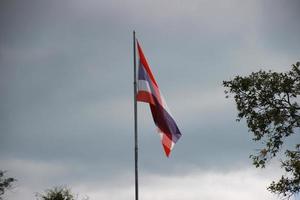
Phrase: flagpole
(135, 121)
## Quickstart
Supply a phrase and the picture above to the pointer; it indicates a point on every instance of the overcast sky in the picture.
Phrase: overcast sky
(66, 106)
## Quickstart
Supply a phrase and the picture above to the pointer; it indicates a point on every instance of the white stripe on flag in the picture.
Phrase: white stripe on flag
(144, 85)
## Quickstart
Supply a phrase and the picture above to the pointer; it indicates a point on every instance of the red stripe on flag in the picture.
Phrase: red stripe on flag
(145, 97)
(145, 64)
(167, 144)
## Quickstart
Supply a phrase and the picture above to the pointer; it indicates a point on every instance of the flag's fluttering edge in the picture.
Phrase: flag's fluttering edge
(149, 92)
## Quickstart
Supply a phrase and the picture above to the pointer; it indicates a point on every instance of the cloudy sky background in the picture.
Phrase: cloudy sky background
(66, 106)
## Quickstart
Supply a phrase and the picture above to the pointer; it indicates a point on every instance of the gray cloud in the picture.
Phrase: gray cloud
(209, 184)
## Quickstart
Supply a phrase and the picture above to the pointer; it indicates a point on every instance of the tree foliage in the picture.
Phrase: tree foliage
(5, 183)
(269, 101)
(58, 193)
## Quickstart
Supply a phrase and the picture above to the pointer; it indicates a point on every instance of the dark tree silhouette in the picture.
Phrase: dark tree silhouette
(58, 193)
(269, 101)
(5, 183)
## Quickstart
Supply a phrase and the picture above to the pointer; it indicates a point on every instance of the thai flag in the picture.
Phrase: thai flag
(149, 92)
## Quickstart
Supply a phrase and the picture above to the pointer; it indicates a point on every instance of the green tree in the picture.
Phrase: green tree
(5, 183)
(269, 101)
(58, 193)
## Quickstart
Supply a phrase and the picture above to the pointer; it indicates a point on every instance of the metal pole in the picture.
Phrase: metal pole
(135, 121)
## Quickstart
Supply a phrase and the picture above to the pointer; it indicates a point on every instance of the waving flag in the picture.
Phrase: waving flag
(149, 92)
